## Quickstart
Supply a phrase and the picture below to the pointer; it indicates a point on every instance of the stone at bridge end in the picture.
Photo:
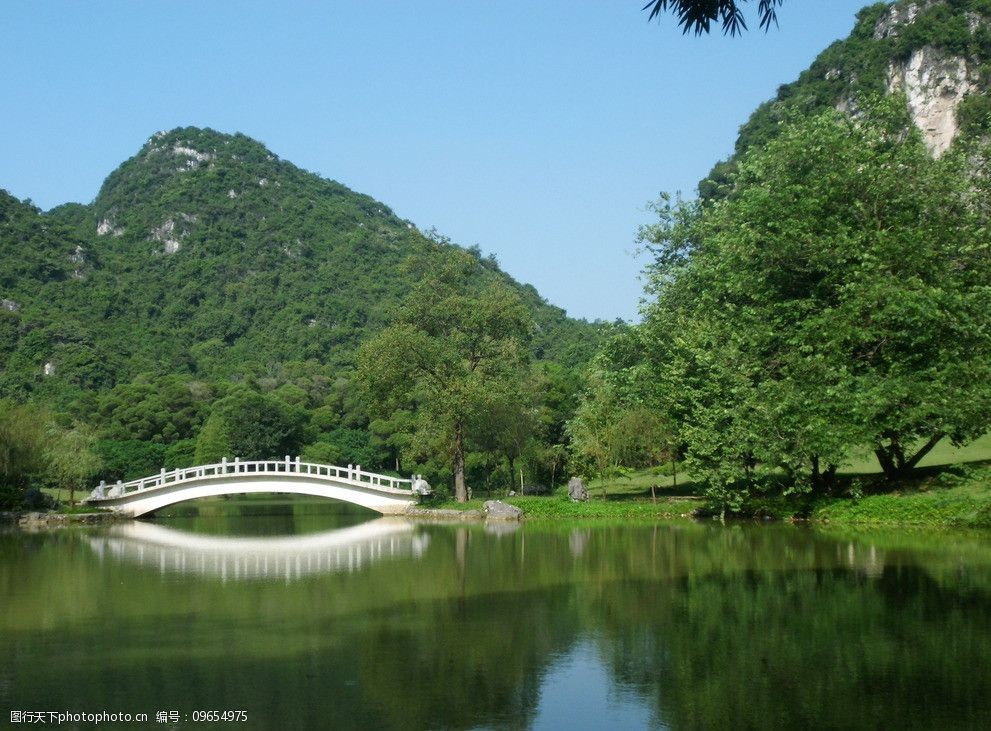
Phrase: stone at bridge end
(421, 487)
(498, 510)
(577, 490)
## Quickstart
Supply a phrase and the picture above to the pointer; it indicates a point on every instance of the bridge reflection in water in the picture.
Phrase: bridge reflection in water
(238, 558)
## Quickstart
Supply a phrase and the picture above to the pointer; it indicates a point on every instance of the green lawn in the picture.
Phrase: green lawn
(638, 483)
(62, 494)
(944, 453)
(939, 494)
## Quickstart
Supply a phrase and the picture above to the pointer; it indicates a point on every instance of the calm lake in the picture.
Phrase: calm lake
(303, 616)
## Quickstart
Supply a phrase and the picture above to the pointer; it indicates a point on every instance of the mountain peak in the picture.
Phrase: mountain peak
(187, 173)
(197, 145)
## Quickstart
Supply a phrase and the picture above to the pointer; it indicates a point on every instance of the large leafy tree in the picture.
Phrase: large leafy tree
(253, 425)
(22, 449)
(73, 460)
(163, 409)
(837, 298)
(213, 443)
(456, 353)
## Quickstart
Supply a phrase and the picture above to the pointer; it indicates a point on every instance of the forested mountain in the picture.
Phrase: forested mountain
(211, 283)
(937, 53)
(205, 254)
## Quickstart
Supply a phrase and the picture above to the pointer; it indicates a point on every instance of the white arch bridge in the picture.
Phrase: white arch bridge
(382, 493)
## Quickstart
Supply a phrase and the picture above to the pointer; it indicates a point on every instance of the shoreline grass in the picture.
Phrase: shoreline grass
(958, 496)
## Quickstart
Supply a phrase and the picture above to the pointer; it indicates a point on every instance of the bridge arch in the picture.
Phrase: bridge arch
(242, 558)
(382, 493)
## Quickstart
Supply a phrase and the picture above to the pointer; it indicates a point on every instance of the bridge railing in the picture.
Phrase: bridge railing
(289, 465)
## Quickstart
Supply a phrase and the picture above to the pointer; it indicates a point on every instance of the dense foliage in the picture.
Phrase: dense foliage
(212, 283)
(455, 359)
(837, 298)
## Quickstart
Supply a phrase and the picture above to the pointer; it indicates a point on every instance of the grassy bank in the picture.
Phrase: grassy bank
(560, 507)
(954, 496)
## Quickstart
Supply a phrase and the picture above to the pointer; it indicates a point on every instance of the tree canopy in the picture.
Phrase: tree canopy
(837, 299)
(456, 355)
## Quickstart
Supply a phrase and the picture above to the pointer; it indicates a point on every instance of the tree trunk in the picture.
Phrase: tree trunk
(923, 451)
(892, 457)
(460, 489)
(674, 472)
(887, 465)
(830, 475)
(822, 480)
(512, 472)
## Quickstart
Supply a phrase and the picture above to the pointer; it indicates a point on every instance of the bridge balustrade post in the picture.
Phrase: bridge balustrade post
(357, 473)
(223, 465)
(161, 477)
(237, 465)
(288, 469)
(297, 463)
(350, 471)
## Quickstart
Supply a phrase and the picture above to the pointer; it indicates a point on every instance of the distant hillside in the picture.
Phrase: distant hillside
(205, 254)
(935, 52)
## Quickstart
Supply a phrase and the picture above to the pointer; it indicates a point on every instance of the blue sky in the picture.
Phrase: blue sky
(536, 130)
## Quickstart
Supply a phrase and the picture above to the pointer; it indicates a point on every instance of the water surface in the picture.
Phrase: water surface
(305, 617)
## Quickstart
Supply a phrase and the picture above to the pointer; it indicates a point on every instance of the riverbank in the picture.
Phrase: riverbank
(37, 520)
(964, 506)
(557, 507)
(955, 497)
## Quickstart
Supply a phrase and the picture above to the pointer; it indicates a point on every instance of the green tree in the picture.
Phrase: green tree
(323, 453)
(129, 459)
(261, 426)
(837, 298)
(180, 454)
(213, 443)
(160, 409)
(609, 434)
(457, 347)
(72, 457)
(22, 448)
(351, 446)
(509, 428)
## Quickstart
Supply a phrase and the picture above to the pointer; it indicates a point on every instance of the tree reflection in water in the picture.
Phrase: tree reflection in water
(697, 626)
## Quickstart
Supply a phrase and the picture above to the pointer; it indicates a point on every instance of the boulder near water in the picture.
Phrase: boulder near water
(577, 490)
(498, 510)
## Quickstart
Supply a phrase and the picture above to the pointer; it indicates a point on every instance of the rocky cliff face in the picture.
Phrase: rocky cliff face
(937, 53)
(934, 81)
(934, 84)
